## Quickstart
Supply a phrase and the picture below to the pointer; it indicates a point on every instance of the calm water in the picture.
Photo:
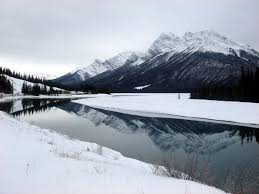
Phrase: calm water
(148, 139)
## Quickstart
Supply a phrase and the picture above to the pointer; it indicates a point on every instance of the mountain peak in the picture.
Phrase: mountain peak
(166, 42)
(98, 61)
(168, 35)
(210, 40)
(188, 34)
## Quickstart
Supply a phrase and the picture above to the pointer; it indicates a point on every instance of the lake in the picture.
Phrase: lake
(223, 148)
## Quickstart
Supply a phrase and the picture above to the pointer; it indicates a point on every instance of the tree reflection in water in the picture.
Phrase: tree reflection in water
(32, 106)
(6, 106)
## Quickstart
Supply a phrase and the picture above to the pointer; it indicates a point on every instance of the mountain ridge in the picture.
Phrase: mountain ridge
(208, 55)
(97, 67)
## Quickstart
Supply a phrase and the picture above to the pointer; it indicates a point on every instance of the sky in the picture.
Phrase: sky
(52, 37)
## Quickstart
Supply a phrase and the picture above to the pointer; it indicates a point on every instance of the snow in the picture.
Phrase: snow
(164, 43)
(17, 84)
(141, 87)
(98, 67)
(168, 105)
(203, 41)
(95, 68)
(35, 160)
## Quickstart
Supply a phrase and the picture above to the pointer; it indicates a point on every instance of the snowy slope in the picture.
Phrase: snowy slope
(17, 85)
(35, 160)
(94, 68)
(164, 43)
(97, 67)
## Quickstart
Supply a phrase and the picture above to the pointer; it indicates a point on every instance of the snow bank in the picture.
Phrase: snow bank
(35, 160)
(170, 105)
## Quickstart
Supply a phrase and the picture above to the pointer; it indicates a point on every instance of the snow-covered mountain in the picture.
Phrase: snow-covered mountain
(173, 64)
(97, 67)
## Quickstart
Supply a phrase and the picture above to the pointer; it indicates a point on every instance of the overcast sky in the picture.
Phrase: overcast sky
(55, 36)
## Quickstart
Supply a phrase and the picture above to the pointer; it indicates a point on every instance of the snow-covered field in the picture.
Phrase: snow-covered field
(169, 105)
(35, 160)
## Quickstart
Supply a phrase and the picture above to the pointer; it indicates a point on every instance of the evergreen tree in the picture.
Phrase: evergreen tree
(247, 89)
(5, 85)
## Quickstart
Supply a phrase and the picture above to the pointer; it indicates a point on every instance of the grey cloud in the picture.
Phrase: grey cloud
(60, 33)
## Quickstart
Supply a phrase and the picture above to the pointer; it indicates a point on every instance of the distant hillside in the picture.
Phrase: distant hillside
(19, 82)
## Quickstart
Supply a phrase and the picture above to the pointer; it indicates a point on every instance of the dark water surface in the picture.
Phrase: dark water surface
(153, 140)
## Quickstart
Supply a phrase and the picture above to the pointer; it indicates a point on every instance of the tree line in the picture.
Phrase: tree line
(246, 89)
(26, 77)
(94, 90)
(37, 89)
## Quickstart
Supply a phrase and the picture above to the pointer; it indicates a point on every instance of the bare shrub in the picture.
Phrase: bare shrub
(97, 170)
(164, 171)
(50, 142)
(242, 180)
(157, 170)
(73, 155)
(99, 150)
(193, 169)
(116, 157)
(198, 168)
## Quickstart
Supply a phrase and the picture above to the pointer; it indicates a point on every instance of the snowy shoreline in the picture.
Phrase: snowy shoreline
(35, 160)
(63, 96)
(171, 116)
(168, 105)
